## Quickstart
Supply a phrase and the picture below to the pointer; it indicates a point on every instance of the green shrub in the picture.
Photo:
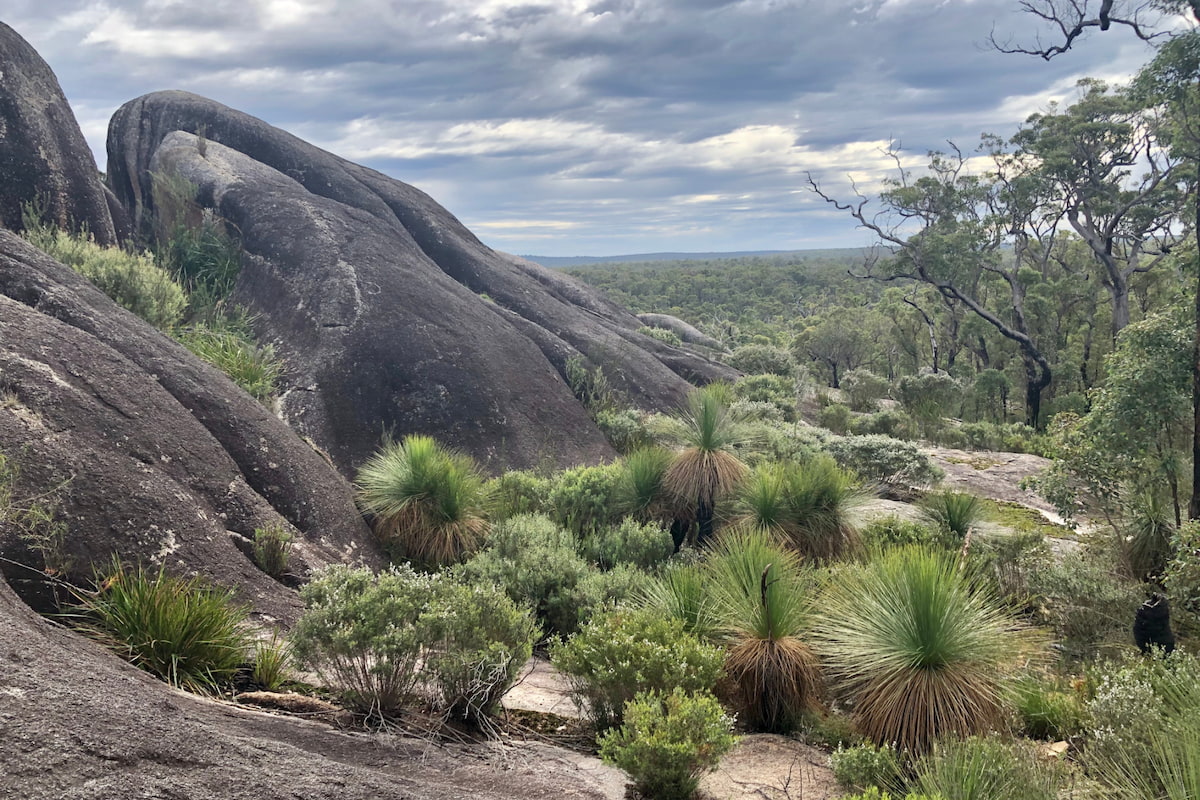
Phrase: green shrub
(360, 633)
(894, 531)
(132, 281)
(477, 640)
(616, 655)
(624, 429)
(776, 390)
(668, 741)
(986, 769)
(204, 258)
(1009, 561)
(928, 398)
(835, 417)
(829, 730)
(601, 591)
(865, 765)
(590, 385)
(892, 423)
(516, 492)
(662, 335)
(630, 542)
(272, 549)
(1165, 765)
(1182, 576)
(535, 562)
(584, 499)
(863, 389)
(426, 502)
(758, 359)
(231, 349)
(808, 505)
(1086, 600)
(758, 411)
(185, 631)
(885, 460)
(272, 663)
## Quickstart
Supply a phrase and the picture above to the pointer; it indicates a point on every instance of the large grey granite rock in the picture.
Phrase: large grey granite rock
(167, 461)
(43, 156)
(374, 295)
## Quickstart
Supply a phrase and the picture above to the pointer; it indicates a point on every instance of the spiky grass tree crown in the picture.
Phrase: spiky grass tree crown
(920, 651)
(426, 502)
(807, 505)
(641, 490)
(954, 512)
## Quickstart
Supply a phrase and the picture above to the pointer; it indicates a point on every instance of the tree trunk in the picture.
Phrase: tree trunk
(704, 521)
(1194, 503)
(1037, 378)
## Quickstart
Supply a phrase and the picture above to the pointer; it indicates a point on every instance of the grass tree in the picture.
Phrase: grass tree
(807, 505)
(919, 650)
(763, 602)
(426, 502)
(955, 513)
(707, 468)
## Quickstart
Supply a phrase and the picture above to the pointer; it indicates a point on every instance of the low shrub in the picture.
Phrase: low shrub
(618, 654)
(625, 429)
(863, 389)
(359, 632)
(630, 542)
(662, 335)
(668, 741)
(272, 663)
(185, 631)
(516, 492)
(1182, 575)
(133, 281)
(885, 460)
(1086, 600)
(928, 398)
(892, 423)
(776, 390)
(986, 769)
(894, 531)
(865, 765)
(535, 562)
(1047, 710)
(757, 359)
(835, 417)
(477, 640)
(829, 730)
(584, 499)
(272, 549)
(600, 591)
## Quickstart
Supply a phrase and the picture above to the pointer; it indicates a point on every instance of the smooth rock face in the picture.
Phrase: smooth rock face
(43, 156)
(374, 296)
(77, 723)
(162, 455)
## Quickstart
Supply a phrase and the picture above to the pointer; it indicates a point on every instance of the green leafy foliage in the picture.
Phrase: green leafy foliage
(426, 502)
(625, 428)
(272, 663)
(762, 359)
(864, 389)
(360, 633)
(955, 513)
(683, 592)
(662, 335)
(777, 391)
(584, 499)
(1086, 600)
(888, 461)
(1182, 577)
(928, 398)
(863, 766)
(1047, 710)
(133, 281)
(618, 654)
(668, 741)
(891, 530)
(476, 641)
(535, 561)
(516, 492)
(185, 631)
(835, 418)
(920, 649)
(629, 542)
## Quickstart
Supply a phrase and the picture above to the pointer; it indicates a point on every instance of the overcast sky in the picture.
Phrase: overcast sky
(587, 127)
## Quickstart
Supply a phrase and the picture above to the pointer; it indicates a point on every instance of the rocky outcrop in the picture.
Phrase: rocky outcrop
(684, 330)
(75, 722)
(43, 156)
(160, 457)
(392, 317)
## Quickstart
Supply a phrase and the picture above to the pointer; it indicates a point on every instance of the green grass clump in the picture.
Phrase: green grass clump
(272, 549)
(272, 663)
(426, 502)
(185, 631)
(986, 769)
(955, 513)
(231, 349)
